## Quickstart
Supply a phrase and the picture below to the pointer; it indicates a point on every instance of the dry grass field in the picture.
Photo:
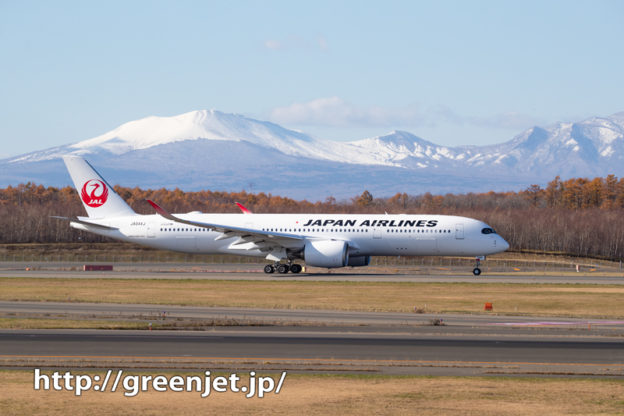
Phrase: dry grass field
(43, 323)
(340, 395)
(570, 300)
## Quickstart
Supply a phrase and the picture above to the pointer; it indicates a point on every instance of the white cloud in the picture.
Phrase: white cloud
(272, 44)
(322, 43)
(297, 42)
(334, 111)
(509, 120)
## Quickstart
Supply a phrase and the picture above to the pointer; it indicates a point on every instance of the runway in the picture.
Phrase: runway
(253, 272)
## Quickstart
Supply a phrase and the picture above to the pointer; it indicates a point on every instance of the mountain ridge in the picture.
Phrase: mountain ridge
(233, 151)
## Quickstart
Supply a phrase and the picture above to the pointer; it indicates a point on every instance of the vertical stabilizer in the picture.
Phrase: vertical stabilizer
(98, 197)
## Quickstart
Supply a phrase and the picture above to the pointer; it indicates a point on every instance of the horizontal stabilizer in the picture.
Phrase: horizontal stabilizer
(90, 224)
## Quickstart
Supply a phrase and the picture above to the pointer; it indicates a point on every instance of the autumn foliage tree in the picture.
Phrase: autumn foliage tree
(577, 216)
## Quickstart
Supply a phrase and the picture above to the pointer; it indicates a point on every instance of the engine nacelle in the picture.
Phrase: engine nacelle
(326, 253)
(358, 261)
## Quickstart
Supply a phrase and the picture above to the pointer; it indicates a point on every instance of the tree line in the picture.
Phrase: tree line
(577, 216)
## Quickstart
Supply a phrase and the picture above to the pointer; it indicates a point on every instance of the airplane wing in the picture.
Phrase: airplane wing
(249, 238)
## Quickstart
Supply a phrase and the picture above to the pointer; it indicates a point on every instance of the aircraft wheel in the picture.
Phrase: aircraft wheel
(282, 268)
(269, 269)
(295, 268)
(476, 271)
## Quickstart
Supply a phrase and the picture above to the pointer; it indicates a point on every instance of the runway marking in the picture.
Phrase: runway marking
(555, 323)
(331, 360)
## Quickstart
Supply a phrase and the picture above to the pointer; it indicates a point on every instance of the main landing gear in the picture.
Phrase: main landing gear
(283, 268)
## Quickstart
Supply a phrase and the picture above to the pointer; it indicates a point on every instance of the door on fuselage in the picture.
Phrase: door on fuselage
(459, 231)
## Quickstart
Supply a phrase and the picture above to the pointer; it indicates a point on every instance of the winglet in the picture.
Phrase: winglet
(243, 208)
(161, 211)
(166, 214)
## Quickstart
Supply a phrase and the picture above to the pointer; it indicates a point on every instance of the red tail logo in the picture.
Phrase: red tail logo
(94, 193)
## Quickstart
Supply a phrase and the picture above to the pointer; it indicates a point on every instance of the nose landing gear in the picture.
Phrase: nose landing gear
(477, 271)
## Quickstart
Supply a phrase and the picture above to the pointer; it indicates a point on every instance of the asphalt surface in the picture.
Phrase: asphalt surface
(316, 351)
(322, 341)
(313, 341)
(254, 272)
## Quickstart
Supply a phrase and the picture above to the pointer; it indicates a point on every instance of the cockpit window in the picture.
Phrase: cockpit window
(488, 231)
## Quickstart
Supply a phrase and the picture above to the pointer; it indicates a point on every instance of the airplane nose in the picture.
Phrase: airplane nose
(504, 244)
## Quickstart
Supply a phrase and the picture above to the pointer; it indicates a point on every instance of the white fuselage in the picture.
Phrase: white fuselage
(368, 235)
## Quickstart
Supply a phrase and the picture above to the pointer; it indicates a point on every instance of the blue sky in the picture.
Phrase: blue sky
(453, 72)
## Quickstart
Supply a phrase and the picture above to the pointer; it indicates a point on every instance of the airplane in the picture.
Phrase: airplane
(320, 240)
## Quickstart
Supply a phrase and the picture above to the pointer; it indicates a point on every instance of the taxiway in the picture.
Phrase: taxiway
(321, 341)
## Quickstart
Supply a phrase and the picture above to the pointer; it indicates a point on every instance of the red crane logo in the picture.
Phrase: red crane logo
(94, 193)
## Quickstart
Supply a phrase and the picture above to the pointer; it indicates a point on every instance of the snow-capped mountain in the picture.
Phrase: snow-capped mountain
(215, 150)
(211, 125)
(195, 125)
(592, 147)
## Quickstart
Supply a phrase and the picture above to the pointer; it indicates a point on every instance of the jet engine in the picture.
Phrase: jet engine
(326, 253)
(357, 261)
